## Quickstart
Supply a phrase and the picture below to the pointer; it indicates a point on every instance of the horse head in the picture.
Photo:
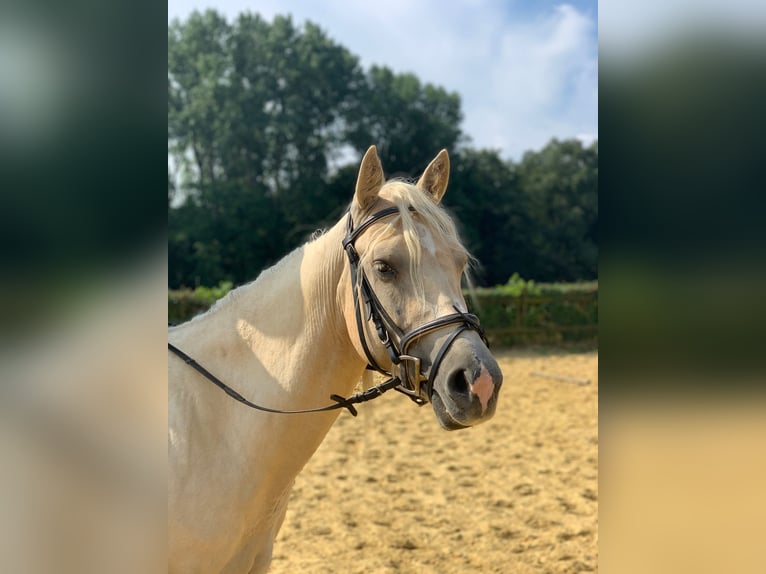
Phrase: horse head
(402, 298)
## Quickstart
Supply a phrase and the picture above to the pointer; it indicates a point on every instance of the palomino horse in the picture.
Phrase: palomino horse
(382, 287)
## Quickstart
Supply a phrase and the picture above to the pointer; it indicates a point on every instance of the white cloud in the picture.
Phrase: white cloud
(542, 82)
(523, 79)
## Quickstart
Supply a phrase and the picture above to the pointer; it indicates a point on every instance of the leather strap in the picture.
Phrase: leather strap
(340, 402)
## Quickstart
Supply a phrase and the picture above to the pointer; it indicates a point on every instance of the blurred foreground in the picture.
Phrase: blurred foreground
(682, 485)
(682, 312)
(83, 421)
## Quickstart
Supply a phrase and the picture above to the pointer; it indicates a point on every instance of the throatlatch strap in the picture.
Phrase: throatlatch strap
(372, 306)
(353, 258)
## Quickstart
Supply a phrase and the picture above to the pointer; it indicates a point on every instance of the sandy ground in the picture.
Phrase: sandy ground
(391, 491)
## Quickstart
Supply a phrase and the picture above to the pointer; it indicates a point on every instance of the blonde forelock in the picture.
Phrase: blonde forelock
(405, 195)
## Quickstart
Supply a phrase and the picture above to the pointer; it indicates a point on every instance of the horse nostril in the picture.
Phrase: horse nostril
(458, 384)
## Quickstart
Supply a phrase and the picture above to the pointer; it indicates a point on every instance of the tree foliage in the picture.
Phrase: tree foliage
(561, 185)
(405, 120)
(266, 125)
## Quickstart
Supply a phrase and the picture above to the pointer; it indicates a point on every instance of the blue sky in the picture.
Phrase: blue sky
(527, 71)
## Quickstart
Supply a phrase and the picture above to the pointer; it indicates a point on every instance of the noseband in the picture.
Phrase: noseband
(413, 383)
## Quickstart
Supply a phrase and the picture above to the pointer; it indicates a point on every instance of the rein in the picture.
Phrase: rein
(340, 402)
(409, 384)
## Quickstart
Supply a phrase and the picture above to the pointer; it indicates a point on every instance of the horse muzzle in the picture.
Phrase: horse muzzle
(465, 391)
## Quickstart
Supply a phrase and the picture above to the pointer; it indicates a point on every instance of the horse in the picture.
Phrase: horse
(379, 290)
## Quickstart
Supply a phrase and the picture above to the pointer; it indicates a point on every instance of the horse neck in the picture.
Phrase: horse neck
(288, 323)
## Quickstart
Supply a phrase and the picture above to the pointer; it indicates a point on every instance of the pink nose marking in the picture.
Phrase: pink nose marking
(483, 387)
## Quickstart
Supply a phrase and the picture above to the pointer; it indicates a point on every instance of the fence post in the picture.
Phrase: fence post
(521, 317)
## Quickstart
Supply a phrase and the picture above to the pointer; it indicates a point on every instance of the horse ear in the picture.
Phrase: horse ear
(370, 178)
(436, 176)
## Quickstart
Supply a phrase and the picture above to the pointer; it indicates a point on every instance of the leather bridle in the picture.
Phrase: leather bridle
(406, 381)
(396, 342)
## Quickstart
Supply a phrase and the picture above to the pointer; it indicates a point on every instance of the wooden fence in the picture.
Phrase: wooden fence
(544, 319)
(550, 318)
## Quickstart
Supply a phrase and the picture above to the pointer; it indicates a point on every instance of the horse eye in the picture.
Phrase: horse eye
(384, 269)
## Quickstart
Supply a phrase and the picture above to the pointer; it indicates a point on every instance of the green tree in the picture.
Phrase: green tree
(561, 185)
(259, 112)
(485, 197)
(408, 121)
(255, 111)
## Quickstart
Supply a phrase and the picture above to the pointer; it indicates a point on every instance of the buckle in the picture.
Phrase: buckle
(418, 379)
